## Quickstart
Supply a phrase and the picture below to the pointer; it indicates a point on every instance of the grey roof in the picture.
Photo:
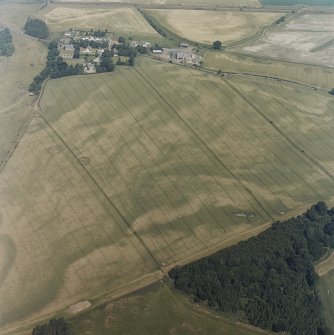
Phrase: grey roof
(69, 47)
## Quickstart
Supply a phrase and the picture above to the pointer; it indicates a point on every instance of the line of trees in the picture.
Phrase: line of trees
(36, 28)
(6, 43)
(98, 33)
(217, 45)
(125, 50)
(106, 64)
(93, 44)
(55, 67)
(268, 280)
(154, 25)
(53, 327)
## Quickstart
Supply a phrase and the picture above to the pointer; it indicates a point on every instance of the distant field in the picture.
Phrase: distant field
(222, 3)
(123, 20)
(305, 38)
(150, 165)
(16, 14)
(312, 75)
(158, 310)
(205, 26)
(297, 2)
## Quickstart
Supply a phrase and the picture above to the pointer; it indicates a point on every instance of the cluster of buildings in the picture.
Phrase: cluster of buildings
(66, 49)
(184, 54)
(146, 45)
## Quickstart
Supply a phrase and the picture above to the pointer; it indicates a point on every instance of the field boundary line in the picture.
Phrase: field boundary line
(286, 137)
(17, 141)
(213, 154)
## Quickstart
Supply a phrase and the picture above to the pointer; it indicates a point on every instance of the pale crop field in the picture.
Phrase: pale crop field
(16, 73)
(150, 165)
(220, 3)
(304, 38)
(124, 20)
(16, 14)
(206, 26)
(322, 77)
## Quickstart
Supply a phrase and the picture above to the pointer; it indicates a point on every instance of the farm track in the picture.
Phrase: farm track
(326, 265)
(246, 74)
(260, 33)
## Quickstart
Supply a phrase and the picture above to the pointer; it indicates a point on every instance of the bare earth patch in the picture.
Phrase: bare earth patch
(79, 307)
(306, 38)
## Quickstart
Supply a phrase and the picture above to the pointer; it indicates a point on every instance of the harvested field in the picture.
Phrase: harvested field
(305, 38)
(297, 2)
(204, 26)
(123, 20)
(322, 77)
(222, 3)
(150, 165)
(16, 14)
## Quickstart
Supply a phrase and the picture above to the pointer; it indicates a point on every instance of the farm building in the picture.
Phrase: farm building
(69, 33)
(157, 51)
(184, 45)
(146, 45)
(185, 56)
(134, 44)
(180, 55)
(69, 47)
(87, 50)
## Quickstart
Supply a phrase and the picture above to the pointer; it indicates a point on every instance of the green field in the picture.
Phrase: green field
(322, 77)
(325, 287)
(149, 165)
(157, 310)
